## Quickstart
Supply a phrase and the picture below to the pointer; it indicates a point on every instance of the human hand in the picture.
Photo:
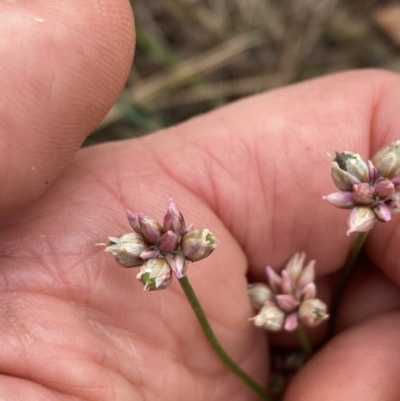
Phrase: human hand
(75, 325)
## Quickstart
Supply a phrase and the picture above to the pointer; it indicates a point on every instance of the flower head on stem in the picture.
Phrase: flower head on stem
(161, 249)
(371, 189)
(289, 299)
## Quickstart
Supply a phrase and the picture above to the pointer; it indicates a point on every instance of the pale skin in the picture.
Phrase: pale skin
(76, 326)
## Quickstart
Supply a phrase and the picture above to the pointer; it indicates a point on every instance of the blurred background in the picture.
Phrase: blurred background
(196, 55)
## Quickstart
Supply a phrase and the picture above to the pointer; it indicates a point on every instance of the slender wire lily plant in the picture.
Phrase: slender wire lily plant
(371, 190)
(164, 250)
(288, 300)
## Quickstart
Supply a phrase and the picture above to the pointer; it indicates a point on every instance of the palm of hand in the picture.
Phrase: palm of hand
(78, 324)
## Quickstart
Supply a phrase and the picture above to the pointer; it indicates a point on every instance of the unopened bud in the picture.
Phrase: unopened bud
(387, 160)
(198, 244)
(384, 188)
(155, 274)
(344, 200)
(274, 279)
(151, 228)
(291, 322)
(295, 265)
(127, 249)
(134, 221)
(178, 264)
(174, 220)
(288, 284)
(361, 219)
(373, 172)
(259, 293)
(270, 317)
(383, 212)
(308, 292)
(287, 302)
(312, 312)
(307, 275)
(168, 242)
(363, 193)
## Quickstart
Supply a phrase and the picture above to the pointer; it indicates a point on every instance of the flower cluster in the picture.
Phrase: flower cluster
(371, 190)
(289, 298)
(161, 249)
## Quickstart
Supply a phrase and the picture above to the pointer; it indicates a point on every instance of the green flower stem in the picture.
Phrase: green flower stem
(304, 341)
(344, 276)
(201, 317)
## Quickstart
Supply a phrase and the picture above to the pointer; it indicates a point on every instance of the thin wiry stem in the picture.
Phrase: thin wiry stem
(205, 325)
(344, 276)
(304, 341)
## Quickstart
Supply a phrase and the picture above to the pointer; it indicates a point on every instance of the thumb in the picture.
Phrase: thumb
(59, 76)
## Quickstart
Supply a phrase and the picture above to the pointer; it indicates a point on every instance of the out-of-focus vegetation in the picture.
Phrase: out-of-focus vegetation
(195, 55)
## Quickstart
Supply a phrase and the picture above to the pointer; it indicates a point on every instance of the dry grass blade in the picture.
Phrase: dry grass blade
(193, 55)
(308, 20)
(192, 68)
(216, 91)
(187, 71)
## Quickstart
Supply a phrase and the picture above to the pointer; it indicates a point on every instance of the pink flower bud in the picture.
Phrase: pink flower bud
(308, 292)
(344, 200)
(382, 212)
(178, 264)
(168, 242)
(270, 317)
(295, 265)
(259, 293)
(387, 160)
(363, 193)
(361, 219)
(312, 312)
(307, 276)
(127, 249)
(373, 172)
(274, 280)
(288, 285)
(155, 274)
(174, 220)
(198, 244)
(384, 188)
(291, 322)
(287, 302)
(134, 221)
(150, 228)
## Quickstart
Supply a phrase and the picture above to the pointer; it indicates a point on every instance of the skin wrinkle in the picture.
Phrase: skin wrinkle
(32, 390)
(248, 148)
(101, 361)
(209, 167)
(203, 160)
(137, 377)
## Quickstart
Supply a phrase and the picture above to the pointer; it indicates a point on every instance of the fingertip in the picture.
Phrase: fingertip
(361, 363)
